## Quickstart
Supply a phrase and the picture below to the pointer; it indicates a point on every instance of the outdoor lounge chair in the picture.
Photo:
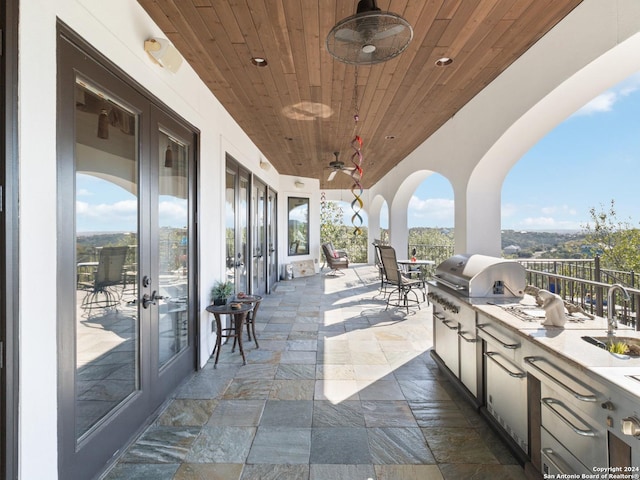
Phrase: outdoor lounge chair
(336, 260)
(402, 284)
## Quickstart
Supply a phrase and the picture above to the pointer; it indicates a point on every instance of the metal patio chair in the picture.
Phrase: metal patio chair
(104, 291)
(402, 285)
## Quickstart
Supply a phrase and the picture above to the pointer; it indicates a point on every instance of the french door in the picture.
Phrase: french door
(272, 239)
(259, 237)
(126, 315)
(250, 231)
(237, 226)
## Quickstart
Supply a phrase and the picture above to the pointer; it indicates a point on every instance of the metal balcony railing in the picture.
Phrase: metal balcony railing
(579, 281)
(437, 253)
(582, 282)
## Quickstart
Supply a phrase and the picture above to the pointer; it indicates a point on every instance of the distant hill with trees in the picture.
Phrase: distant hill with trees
(539, 244)
(616, 241)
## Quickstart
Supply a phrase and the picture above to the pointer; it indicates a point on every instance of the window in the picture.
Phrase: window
(298, 226)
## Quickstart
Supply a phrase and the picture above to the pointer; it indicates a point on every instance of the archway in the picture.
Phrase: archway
(481, 217)
(430, 219)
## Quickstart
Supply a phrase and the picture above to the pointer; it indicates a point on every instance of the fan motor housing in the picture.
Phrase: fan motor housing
(367, 6)
(369, 37)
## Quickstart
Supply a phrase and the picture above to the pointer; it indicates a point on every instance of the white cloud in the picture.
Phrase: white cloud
(123, 214)
(559, 209)
(173, 214)
(545, 223)
(431, 212)
(630, 85)
(440, 207)
(602, 103)
(509, 210)
(556, 217)
(606, 100)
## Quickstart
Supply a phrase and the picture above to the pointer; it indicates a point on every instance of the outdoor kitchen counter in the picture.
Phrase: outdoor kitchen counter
(566, 345)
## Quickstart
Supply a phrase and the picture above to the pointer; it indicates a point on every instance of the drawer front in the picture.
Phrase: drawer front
(591, 409)
(499, 339)
(556, 459)
(561, 380)
(579, 433)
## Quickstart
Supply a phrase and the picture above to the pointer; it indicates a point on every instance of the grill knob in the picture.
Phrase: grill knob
(631, 426)
(608, 405)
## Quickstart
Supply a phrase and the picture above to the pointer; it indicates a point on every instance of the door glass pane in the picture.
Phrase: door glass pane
(106, 219)
(173, 227)
(271, 238)
(230, 225)
(259, 282)
(242, 239)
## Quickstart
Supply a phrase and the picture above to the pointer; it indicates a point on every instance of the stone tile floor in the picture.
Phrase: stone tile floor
(339, 389)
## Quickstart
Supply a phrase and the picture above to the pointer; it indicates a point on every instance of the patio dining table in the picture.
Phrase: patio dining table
(423, 265)
(422, 271)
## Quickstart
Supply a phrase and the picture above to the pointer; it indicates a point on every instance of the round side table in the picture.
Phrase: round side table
(238, 316)
(250, 321)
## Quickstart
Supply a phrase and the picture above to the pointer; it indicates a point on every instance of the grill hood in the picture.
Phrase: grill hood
(475, 275)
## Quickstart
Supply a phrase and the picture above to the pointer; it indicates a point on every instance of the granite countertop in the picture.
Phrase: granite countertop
(566, 344)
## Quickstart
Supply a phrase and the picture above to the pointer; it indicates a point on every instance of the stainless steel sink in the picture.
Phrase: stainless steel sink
(606, 341)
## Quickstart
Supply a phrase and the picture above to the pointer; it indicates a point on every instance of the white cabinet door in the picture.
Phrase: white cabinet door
(446, 341)
(507, 396)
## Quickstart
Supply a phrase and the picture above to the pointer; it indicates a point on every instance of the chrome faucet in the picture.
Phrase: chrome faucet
(612, 323)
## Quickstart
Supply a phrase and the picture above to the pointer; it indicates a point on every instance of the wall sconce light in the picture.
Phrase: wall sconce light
(264, 165)
(299, 184)
(163, 53)
(103, 124)
(168, 157)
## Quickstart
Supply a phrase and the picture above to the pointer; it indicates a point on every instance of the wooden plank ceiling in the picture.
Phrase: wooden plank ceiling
(300, 108)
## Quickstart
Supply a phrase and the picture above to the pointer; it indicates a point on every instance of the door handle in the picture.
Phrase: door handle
(150, 299)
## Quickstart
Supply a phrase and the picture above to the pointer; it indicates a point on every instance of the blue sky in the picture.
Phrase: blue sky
(586, 161)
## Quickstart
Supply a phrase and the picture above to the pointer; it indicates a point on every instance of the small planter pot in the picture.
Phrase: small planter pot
(220, 301)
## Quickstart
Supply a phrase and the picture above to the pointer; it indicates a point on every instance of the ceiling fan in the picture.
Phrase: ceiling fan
(338, 166)
(370, 36)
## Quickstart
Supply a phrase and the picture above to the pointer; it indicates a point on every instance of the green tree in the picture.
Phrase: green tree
(430, 236)
(431, 243)
(615, 240)
(333, 229)
(330, 222)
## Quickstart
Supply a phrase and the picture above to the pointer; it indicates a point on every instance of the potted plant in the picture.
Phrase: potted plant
(220, 291)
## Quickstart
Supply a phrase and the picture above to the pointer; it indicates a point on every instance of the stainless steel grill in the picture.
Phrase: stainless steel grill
(474, 275)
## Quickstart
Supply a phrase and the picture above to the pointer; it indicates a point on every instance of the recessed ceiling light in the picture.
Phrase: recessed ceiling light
(259, 61)
(444, 61)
